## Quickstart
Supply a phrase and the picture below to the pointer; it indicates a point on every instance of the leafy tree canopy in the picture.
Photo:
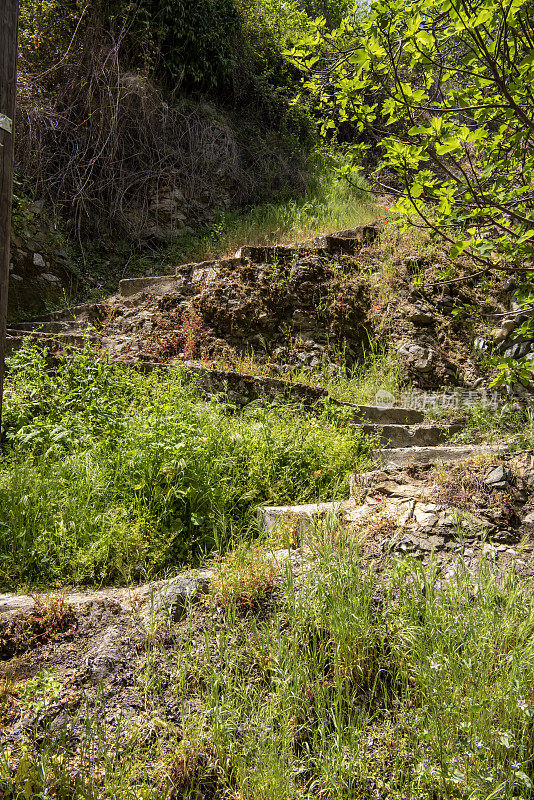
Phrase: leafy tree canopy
(444, 90)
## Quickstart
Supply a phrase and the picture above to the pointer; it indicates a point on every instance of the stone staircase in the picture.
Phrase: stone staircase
(74, 327)
(71, 327)
(188, 277)
(390, 461)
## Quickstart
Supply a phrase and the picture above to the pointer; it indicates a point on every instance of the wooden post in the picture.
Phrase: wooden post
(9, 17)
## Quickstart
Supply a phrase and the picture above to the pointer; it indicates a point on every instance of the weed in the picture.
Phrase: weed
(112, 475)
(243, 578)
(40, 691)
(49, 619)
(350, 686)
(193, 326)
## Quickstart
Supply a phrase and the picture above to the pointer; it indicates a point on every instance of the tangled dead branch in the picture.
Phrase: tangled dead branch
(103, 144)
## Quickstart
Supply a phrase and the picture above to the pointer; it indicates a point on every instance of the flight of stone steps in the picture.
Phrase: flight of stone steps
(73, 327)
(393, 461)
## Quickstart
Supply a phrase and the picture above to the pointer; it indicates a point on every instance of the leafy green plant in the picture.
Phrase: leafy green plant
(110, 474)
(40, 691)
(442, 86)
(242, 579)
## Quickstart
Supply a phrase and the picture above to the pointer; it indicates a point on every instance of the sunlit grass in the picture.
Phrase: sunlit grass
(351, 685)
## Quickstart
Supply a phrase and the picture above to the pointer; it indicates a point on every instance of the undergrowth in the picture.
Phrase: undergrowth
(110, 475)
(407, 688)
(328, 204)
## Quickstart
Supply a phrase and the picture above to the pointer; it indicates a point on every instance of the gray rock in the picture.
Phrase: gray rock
(497, 478)
(49, 277)
(420, 358)
(38, 260)
(481, 345)
(420, 314)
(403, 547)
(105, 658)
(174, 597)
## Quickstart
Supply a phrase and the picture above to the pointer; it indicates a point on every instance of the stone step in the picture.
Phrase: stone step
(84, 312)
(190, 275)
(186, 279)
(76, 340)
(446, 454)
(47, 327)
(153, 284)
(302, 517)
(409, 436)
(347, 241)
(340, 242)
(12, 344)
(394, 415)
(203, 272)
(270, 254)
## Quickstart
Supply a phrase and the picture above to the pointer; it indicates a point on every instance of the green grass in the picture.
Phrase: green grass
(110, 475)
(347, 689)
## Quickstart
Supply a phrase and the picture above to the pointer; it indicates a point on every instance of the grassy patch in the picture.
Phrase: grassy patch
(411, 688)
(379, 369)
(109, 475)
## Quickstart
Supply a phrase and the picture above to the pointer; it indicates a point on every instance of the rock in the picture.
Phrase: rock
(420, 314)
(497, 478)
(49, 278)
(420, 358)
(403, 547)
(507, 326)
(38, 260)
(425, 515)
(395, 490)
(481, 345)
(173, 598)
(105, 658)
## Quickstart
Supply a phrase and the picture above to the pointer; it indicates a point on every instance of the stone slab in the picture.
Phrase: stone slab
(395, 436)
(402, 456)
(152, 285)
(394, 415)
(46, 327)
(303, 515)
(170, 593)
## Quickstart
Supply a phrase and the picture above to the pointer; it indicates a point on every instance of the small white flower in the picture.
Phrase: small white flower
(435, 665)
(516, 765)
(478, 744)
